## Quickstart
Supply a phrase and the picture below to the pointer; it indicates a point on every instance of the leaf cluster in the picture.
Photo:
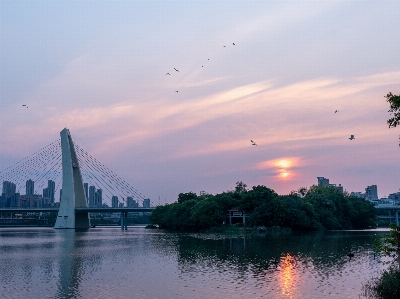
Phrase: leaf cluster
(394, 101)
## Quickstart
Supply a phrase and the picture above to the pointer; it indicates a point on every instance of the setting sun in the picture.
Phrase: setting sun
(283, 163)
(284, 174)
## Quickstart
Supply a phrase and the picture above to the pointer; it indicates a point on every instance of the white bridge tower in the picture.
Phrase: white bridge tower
(73, 193)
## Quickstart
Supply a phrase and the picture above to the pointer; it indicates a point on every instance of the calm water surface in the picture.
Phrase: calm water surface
(141, 263)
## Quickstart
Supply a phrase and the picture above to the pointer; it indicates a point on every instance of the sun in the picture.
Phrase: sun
(284, 174)
(283, 163)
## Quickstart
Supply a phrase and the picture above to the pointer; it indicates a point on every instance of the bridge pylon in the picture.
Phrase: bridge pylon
(73, 193)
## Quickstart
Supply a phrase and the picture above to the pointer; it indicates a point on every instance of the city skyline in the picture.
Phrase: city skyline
(296, 78)
(93, 195)
(95, 199)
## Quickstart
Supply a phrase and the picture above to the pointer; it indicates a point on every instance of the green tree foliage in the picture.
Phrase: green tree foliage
(192, 212)
(387, 244)
(182, 197)
(300, 214)
(207, 213)
(394, 101)
(385, 287)
(337, 210)
(240, 187)
(254, 198)
(319, 208)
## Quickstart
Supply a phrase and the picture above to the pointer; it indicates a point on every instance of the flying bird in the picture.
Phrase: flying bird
(233, 43)
(24, 105)
(176, 91)
(224, 46)
(253, 143)
(176, 69)
(351, 137)
(167, 74)
(336, 111)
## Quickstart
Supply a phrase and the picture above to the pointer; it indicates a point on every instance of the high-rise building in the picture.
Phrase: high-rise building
(323, 181)
(99, 198)
(131, 203)
(340, 187)
(114, 202)
(52, 189)
(30, 187)
(48, 192)
(7, 194)
(371, 192)
(8, 188)
(14, 200)
(30, 201)
(86, 187)
(92, 196)
(146, 203)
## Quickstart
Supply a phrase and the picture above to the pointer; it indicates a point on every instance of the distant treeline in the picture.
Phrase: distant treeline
(317, 208)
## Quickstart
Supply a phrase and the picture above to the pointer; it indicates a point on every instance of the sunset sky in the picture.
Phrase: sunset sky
(269, 71)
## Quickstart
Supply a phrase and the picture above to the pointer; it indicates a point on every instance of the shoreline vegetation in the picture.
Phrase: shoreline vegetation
(387, 285)
(316, 208)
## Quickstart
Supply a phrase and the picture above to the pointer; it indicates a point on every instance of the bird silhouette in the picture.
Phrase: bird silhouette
(176, 91)
(224, 46)
(336, 111)
(352, 137)
(24, 105)
(253, 143)
(176, 69)
(350, 255)
(233, 43)
(167, 74)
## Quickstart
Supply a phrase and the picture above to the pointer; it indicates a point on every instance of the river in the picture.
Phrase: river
(143, 263)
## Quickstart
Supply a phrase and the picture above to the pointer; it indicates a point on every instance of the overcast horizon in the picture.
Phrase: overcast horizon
(168, 94)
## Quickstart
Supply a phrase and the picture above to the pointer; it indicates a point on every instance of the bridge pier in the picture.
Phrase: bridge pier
(73, 193)
(124, 220)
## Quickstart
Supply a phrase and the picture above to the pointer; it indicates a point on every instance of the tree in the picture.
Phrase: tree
(182, 197)
(394, 101)
(255, 198)
(240, 187)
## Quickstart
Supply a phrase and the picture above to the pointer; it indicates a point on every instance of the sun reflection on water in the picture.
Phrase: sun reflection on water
(287, 277)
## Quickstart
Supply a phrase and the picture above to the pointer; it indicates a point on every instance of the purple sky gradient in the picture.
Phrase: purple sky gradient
(99, 68)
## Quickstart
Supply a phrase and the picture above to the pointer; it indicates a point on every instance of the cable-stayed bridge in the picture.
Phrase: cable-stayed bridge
(82, 183)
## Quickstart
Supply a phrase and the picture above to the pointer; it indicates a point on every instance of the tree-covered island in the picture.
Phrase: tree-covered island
(307, 209)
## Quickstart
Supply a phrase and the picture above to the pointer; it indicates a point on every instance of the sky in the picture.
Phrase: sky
(168, 94)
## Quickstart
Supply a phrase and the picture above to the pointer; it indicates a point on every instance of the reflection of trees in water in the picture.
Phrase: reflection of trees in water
(323, 251)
